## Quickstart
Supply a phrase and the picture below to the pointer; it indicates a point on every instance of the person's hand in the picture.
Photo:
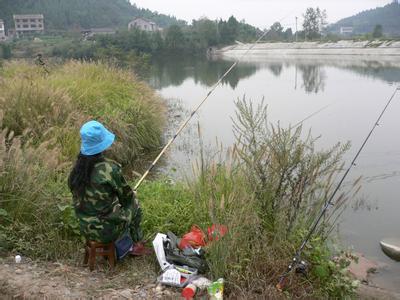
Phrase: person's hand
(135, 193)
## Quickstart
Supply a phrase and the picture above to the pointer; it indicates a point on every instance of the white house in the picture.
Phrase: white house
(346, 30)
(143, 24)
(2, 31)
(28, 23)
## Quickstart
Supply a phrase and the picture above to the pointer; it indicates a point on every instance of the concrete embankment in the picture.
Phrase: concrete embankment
(366, 49)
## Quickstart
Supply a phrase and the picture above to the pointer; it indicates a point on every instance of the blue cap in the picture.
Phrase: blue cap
(95, 138)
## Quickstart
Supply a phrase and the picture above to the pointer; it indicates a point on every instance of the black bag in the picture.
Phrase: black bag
(184, 258)
(123, 244)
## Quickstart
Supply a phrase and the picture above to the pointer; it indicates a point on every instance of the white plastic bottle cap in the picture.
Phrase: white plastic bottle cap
(18, 259)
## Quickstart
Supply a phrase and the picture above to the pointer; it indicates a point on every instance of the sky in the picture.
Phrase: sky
(261, 13)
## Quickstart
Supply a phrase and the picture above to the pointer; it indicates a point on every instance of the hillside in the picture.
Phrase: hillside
(65, 15)
(364, 22)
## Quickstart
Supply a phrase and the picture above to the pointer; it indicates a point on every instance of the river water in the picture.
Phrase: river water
(351, 93)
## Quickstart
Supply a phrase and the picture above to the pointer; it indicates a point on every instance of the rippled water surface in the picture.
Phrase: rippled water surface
(351, 94)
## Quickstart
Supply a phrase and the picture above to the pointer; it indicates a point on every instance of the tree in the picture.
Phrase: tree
(378, 31)
(69, 14)
(276, 31)
(247, 33)
(322, 16)
(288, 34)
(157, 42)
(314, 22)
(233, 26)
(206, 32)
(228, 30)
(174, 39)
(277, 27)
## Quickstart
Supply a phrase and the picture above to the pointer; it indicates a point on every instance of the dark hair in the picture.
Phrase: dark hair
(79, 178)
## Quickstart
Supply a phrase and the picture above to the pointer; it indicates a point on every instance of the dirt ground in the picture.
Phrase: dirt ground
(134, 278)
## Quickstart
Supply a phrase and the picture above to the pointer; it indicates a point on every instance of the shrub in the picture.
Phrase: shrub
(268, 190)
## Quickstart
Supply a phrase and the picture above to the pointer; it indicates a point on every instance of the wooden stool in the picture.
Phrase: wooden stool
(94, 249)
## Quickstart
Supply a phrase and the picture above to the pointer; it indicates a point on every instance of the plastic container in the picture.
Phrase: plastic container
(216, 290)
(177, 276)
(189, 291)
(201, 283)
(18, 259)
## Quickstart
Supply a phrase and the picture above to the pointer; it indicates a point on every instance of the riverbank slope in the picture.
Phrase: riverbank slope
(366, 49)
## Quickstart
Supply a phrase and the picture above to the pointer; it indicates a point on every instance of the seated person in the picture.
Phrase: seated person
(104, 202)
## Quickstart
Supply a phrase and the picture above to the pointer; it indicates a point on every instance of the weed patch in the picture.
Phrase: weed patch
(268, 190)
(56, 105)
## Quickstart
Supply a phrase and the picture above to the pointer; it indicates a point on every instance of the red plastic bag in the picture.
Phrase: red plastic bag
(215, 232)
(195, 238)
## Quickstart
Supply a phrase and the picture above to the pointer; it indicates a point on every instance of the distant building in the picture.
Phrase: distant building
(88, 33)
(28, 24)
(2, 31)
(143, 24)
(346, 30)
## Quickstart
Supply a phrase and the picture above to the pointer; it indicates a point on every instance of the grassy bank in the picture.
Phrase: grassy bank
(40, 119)
(267, 189)
(55, 105)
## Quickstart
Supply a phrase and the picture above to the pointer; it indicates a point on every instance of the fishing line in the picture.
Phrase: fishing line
(310, 116)
(296, 260)
(198, 107)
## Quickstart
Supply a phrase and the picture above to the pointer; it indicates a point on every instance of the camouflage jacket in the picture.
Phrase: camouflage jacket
(108, 204)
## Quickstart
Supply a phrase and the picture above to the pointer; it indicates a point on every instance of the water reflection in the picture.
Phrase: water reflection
(372, 69)
(310, 74)
(173, 71)
(313, 78)
(276, 69)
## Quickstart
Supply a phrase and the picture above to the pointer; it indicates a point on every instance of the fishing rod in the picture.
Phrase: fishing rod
(297, 264)
(309, 117)
(183, 125)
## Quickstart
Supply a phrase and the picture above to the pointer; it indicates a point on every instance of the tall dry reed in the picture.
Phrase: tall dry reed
(57, 104)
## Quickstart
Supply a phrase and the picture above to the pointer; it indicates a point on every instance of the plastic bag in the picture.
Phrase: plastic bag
(175, 256)
(215, 232)
(195, 238)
